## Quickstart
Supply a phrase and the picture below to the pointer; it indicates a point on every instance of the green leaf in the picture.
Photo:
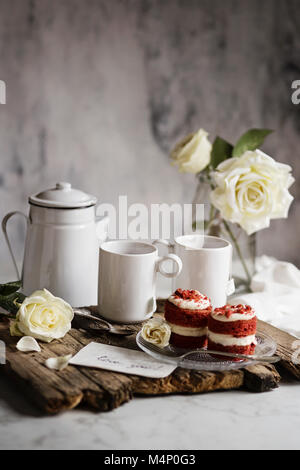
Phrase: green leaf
(10, 299)
(10, 303)
(10, 288)
(221, 150)
(251, 140)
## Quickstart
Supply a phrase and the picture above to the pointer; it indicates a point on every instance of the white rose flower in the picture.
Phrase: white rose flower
(192, 154)
(252, 189)
(157, 331)
(43, 316)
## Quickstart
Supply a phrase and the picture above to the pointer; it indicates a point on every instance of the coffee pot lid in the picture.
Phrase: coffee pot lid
(63, 196)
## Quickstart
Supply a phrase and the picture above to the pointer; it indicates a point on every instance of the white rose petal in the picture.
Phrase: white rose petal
(58, 363)
(28, 344)
(252, 189)
(43, 317)
(157, 331)
(192, 154)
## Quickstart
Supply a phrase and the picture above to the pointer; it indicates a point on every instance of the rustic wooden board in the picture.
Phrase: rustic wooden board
(54, 392)
(101, 390)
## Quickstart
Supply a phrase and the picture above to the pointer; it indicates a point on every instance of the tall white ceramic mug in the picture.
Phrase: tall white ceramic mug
(127, 279)
(207, 264)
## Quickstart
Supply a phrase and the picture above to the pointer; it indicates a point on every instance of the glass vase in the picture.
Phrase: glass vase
(244, 246)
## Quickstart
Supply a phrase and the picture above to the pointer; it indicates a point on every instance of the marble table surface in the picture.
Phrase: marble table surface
(222, 420)
(219, 420)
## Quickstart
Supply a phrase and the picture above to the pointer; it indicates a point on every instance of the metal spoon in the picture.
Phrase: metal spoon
(113, 329)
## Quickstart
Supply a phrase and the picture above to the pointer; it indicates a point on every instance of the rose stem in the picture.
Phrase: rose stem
(238, 250)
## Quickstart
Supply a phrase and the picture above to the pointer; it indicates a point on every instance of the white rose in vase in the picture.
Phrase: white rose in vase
(43, 316)
(252, 189)
(192, 154)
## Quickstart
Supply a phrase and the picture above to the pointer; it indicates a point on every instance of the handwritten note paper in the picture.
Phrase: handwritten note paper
(127, 361)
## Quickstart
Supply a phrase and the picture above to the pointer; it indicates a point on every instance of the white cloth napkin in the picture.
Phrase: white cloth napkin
(276, 294)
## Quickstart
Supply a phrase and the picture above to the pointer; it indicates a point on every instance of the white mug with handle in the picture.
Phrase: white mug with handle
(207, 264)
(127, 279)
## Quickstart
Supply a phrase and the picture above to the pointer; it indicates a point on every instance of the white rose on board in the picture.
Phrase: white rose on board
(252, 189)
(157, 331)
(43, 316)
(192, 154)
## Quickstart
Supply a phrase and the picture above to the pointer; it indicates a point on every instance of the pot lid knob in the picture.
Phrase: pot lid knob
(64, 186)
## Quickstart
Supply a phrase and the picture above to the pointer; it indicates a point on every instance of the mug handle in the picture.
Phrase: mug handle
(178, 265)
(230, 288)
(4, 229)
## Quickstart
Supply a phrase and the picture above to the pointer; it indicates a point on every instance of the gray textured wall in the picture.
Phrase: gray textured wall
(98, 90)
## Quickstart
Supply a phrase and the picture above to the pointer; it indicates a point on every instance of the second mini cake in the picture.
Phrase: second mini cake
(187, 313)
(232, 329)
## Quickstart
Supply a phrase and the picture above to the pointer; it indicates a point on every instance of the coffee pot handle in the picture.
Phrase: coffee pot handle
(4, 229)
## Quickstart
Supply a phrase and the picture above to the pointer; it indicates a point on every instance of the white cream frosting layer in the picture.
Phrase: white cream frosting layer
(229, 340)
(234, 317)
(188, 331)
(190, 304)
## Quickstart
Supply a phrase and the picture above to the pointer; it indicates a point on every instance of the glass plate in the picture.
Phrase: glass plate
(266, 346)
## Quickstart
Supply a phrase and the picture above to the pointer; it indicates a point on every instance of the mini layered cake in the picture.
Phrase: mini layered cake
(232, 329)
(187, 312)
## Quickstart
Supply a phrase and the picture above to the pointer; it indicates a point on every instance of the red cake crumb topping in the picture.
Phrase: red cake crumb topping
(229, 310)
(189, 295)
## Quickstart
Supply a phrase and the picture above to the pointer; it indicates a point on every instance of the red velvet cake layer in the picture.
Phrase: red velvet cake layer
(249, 350)
(237, 328)
(188, 342)
(186, 317)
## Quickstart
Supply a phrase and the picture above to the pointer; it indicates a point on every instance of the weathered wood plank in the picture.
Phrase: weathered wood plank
(261, 378)
(54, 392)
(188, 381)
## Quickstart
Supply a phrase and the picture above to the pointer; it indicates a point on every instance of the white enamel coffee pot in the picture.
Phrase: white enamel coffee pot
(62, 244)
